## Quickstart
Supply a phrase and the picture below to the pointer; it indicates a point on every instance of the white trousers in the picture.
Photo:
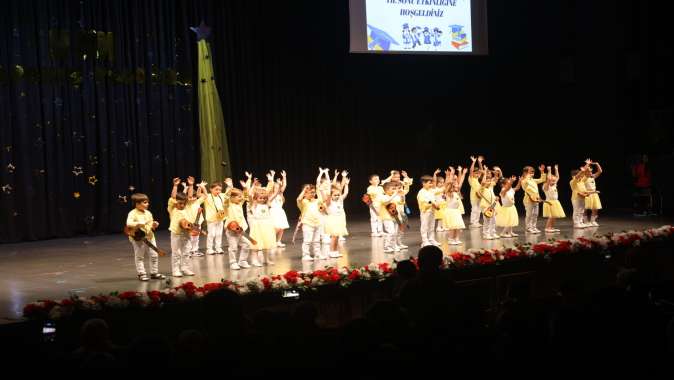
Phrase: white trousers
(531, 218)
(427, 227)
(214, 238)
(234, 242)
(180, 249)
(194, 243)
(391, 234)
(311, 240)
(375, 222)
(475, 211)
(489, 226)
(578, 211)
(139, 251)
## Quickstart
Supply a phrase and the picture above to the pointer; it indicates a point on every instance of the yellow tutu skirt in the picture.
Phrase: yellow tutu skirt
(553, 210)
(335, 225)
(592, 202)
(452, 219)
(507, 216)
(263, 231)
(463, 211)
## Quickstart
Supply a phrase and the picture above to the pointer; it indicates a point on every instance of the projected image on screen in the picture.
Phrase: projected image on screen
(419, 25)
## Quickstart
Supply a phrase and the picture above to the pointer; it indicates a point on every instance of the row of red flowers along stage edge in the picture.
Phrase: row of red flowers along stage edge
(50, 309)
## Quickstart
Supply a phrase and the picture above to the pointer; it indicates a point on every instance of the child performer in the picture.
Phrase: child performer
(278, 215)
(403, 183)
(323, 187)
(439, 199)
(235, 240)
(193, 206)
(507, 217)
(390, 216)
(427, 208)
(262, 226)
(335, 222)
(531, 196)
(578, 195)
(488, 202)
(474, 183)
(552, 208)
(310, 220)
(592, 201)
(180, 234)
(214, 206)
(375, 191)
(453, 221)
(141, 217)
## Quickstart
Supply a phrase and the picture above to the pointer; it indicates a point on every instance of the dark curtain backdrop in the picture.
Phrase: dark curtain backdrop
(564, 80)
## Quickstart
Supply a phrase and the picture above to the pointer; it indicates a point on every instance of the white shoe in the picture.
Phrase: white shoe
(143, 277)
(402, 246)
(197, 254)
(234, 266)
(177, 273)
(550, 231)
(514, 234)
(389, 250)
(374, 234)
(507, 236)
(187, 272)
(334, 255)
(495, 236)
(487, 237)
(579, 226)
(435, 243)
(307, 258)
(256, 263)
(244, 264)
(342, 238)
(477, 225)
(280, 245)
(322, 256)
(557, 230)
(458, 242)
(594, 224)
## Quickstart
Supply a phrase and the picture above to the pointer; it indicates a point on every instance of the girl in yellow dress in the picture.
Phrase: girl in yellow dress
(592, 201)
(335, 221)
(507, 216)
(552, 208)
(262, 225)
(452, 219)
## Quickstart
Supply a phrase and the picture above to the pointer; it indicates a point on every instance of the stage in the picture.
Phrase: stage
(100, 264)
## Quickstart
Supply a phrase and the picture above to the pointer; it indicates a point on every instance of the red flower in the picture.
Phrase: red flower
(354, 275)
(541, 248)
(67, 302)
(563, 246)
(127, 295)
(485, 259)
(266, 282)
(155, 296)
(384, 267)
(211, 286)
(291, 276)
(511, 253)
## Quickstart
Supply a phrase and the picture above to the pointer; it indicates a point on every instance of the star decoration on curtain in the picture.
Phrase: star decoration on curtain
(77, 170)
(132, 188)
(202, 31)
(76, 195)
(11, 168)
(7, 189)
(93, 180)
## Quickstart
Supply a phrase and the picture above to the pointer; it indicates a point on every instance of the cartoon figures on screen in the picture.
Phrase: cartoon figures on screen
(437, 33)
(407, 37)
(458, 37)
(427, 38)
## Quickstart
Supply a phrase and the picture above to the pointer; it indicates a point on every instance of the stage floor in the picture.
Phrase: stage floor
(52, 269)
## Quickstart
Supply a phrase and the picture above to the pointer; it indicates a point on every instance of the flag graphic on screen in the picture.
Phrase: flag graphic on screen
(378, 39)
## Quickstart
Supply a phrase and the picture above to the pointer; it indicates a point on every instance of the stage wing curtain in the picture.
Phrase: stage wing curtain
(86, 119)
(214, 151)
